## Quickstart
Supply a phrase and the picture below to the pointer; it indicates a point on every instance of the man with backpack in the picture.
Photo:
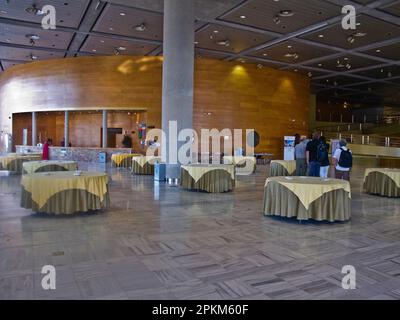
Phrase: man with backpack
(343, 161)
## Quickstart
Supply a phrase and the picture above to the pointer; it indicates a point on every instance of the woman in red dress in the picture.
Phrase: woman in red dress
(46, 149)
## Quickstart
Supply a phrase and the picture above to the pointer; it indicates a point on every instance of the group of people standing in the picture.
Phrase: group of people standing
(312, 158)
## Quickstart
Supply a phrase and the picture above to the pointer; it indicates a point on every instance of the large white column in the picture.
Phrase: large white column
(178, 72)
(66, 129)
(104, 138)
(34, 129)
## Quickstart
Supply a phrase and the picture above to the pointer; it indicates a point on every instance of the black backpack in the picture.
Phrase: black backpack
(322, 152)
(346, 158)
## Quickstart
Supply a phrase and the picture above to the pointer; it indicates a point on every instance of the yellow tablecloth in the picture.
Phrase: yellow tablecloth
(309, 189)
(196, 171)
(42, 186)
(393, 174)
(6, 162)
(118, 158)
(34, 166)
(142, 160)
(290, 165)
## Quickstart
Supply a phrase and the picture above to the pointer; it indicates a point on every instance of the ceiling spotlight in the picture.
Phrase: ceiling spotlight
(141, 27)
(121, 48)
(285, 13)
(265, 54)
(122, 14)
(309, 74)
(389, 74)
(260, 66)
(351, 39)
(295, 70)
(292, 55)
(319, 64)
(359, 34)
(335, 84)
(32, 38)
(33, 57)
(34, 10)
(224, 43)
(277, 20)
(289, 47)
(378, 50)
(243, 17)
(320, 36)
(216, 31)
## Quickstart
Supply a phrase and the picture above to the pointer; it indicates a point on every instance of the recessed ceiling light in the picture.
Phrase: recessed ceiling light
(216, 31)
(319, 64)
(224, 43)
(33, 36)
(289, 47)
(359, 34)
(265, 54)
(196, 42)
(345, 58)
(102, 41)
(285, 13)
(121, 48)
(378, 50)
(295, 70)
(34, 10)
(243, 17)
(94, 50)
(320, 36)
(141, 27)
(111, 29)
(122, 14)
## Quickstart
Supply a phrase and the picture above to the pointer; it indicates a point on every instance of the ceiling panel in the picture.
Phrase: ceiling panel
(393, 9)
(341, 64)
(47, 38)
(110, 46)
(231, 40)
(9, 53)
(389, 52)
(121, 20)
(293, 52)
(375, 30)
(264, 14)
(69, 13)
(307, 72)
(210, 54)
(381, 73)
(378, 89)
(8, 64)
(338, 81)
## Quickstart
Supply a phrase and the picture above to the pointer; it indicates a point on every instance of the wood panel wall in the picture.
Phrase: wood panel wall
(226, 95)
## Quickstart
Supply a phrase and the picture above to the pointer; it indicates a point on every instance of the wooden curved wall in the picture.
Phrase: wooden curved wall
(227, 94)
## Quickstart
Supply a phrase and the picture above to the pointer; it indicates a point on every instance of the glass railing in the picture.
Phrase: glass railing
(363, 139)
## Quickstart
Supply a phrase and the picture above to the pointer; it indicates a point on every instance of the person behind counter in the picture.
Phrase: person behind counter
(46, 149)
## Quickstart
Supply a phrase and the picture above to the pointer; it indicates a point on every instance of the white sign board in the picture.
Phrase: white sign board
(288, 153)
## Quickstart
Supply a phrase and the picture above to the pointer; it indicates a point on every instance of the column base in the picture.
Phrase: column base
(173, 172)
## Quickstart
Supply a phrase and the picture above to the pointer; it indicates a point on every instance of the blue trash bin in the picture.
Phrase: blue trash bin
(159, 171)
(102, 157)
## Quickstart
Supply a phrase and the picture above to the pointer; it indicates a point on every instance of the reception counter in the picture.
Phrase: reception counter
(74, 153)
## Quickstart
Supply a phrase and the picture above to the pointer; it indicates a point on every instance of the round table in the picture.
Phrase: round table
(142, 165)
(382, 182)
(14, 162)
(279, 168)
(213, 178)
(307, 198)
(123, 160)
(48, 165)
(64, 192)
(244, 165)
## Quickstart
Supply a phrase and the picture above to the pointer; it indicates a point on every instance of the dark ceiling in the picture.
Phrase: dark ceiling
(311, 41)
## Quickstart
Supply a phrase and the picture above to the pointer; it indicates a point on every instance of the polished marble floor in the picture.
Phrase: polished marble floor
(161, 242)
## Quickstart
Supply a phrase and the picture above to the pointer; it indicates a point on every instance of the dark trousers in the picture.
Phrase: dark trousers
(343, 175)
(313, 168)
(301, 167)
